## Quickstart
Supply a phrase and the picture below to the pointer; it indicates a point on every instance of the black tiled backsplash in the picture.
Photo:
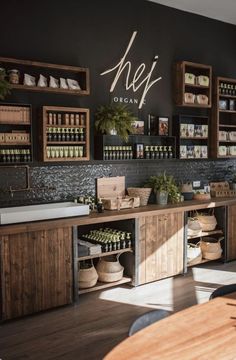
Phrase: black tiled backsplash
(66, 182)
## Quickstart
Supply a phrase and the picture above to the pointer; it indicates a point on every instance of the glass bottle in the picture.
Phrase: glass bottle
(156, 150)
(131, 152)
(161, 155)
(72, 134)
(63, 134)
(58, 134)
(147, 152)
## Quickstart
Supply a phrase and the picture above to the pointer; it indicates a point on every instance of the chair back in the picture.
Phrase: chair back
(147, 319)
(223, 290)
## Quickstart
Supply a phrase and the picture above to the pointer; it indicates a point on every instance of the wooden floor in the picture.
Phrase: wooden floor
(101, 320)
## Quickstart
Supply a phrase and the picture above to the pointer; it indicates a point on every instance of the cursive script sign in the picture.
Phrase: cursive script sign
(137, 80)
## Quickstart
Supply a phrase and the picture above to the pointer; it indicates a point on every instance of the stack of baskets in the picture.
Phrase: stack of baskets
(142, 193)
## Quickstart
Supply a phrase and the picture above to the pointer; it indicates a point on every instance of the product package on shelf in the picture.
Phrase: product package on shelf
(112, 193)
(221, 189)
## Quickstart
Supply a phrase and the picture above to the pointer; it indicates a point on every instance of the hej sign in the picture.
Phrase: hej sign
(140, 78)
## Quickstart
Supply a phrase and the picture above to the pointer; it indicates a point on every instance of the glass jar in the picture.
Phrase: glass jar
(14, 76)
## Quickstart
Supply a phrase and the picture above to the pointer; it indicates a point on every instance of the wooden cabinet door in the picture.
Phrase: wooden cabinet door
(161, 247)
(231, 238)
(36, 271)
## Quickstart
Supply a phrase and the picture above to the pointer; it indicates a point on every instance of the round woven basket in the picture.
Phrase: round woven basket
(87, 277)
(211, 248)
(142, 193)
(109, 269)
(207, 222)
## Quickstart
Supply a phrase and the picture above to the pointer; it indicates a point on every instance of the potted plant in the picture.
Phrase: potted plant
(164, 186)
(4, 85)
(114, 119)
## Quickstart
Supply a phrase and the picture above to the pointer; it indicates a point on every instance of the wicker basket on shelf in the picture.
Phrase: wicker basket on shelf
(109, 269)
(87, 277)
(142, 193)
(211, 248)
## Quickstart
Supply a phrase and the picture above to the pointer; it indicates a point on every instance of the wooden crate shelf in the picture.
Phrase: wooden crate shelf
(59, 123)
(34, 68)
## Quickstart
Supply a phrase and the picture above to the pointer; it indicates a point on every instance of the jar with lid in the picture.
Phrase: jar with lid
(14, 76)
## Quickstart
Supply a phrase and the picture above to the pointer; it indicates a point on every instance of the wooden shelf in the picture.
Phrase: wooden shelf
(194, 105)
(180, 87)
(227, 96)
(194, 138)
(15, 123)
(101, 285)
(196, 86)
(227, 126)
(80, 74)
(48, 146)
(50, 90)
(223, 120)
(15, 143)
(121, 251)
(227, 111)
(66, 142)
(206, 233)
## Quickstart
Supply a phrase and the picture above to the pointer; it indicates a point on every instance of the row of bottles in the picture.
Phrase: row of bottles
(158, 152)
(57, 118)
(65, 134)
(65, 152)
(117, 152)
(109, 239)
(127, 153)
(15, 155)
(227, 89)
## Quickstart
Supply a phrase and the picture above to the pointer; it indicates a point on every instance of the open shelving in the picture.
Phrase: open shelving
(189, 88)
(65, 134)
(223, 134)
(15, 133)
(35, 68)
(192, 140)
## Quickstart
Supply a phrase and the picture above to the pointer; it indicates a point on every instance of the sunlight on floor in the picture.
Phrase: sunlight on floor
(194, 287)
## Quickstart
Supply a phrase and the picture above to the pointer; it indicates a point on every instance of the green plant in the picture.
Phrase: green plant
(164, 183)
(114, 116)
(4, 85)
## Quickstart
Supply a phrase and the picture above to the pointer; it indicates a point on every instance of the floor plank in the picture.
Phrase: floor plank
(91, 328)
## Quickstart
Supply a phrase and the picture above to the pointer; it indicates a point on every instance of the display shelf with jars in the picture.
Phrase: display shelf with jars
(15, 133)
(44, 77)
(223, 139)
(192, 136)
(65, 134)
(114, 242)
(138, 147)
(192, 84)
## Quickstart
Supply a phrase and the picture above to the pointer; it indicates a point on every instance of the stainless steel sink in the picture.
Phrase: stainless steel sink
(28, 213)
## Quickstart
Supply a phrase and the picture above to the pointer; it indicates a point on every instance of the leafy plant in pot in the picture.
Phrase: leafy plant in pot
(165, 188)
(114, 119)
(4, 85)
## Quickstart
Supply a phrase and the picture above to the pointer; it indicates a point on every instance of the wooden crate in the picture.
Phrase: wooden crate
(112, 192)
(221, 189)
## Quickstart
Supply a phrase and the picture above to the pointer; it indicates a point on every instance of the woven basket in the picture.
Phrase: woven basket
(207, 222)
(109, 269)
(87, 277)
(142, 193)
(211, 248)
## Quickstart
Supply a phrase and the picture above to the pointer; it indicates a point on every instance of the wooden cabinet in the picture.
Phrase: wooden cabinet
(15, 134)
(192, 84)
(111, 147)
(36, 271)
(160, 246)
(192, 136)
(35, 68)
(223, 133)
(231, 238)
(65, 134)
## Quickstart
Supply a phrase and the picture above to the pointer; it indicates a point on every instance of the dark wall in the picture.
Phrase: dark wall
(95, 34)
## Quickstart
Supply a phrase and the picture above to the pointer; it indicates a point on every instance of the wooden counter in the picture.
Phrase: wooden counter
(109, 215)
(39, 260)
